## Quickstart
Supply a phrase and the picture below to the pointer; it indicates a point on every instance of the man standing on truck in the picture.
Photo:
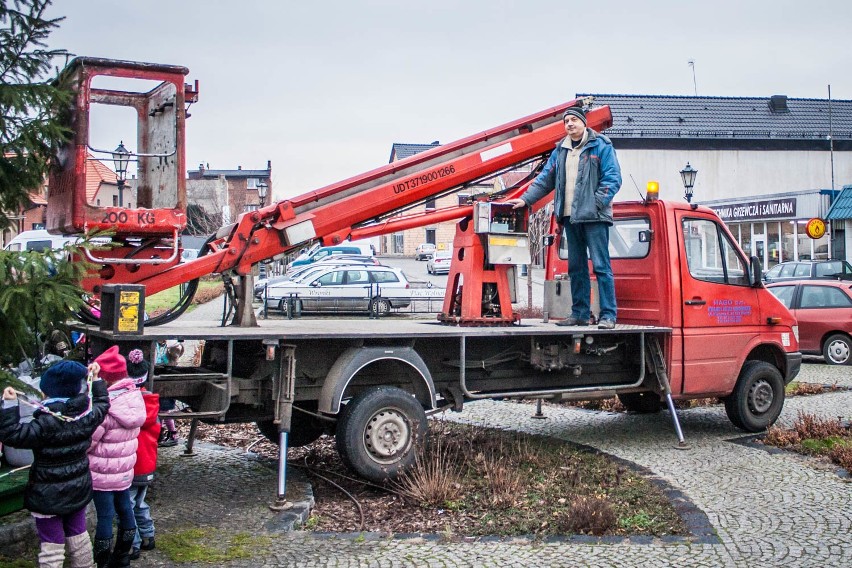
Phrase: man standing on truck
(584, 171)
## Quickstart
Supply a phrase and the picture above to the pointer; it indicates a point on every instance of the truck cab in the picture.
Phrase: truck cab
(677, 266)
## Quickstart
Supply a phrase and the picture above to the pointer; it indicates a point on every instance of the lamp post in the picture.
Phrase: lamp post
(121, 157)
(261, 192)
(688, 174)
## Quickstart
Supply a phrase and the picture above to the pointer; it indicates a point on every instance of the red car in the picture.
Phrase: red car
(824, 311)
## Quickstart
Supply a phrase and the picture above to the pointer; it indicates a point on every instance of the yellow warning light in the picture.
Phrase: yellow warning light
(652, 191)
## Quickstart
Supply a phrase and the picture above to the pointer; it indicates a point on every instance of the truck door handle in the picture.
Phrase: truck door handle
(695, 302)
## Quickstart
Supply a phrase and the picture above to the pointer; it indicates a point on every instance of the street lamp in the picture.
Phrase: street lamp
(688, 174)
(121, 157)
(261, 192)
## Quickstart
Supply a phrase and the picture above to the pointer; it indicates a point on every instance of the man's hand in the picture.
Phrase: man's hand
(9, 394)
(516, 203)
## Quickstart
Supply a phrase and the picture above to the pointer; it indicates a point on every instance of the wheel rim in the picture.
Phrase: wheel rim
(387, 435)
(838, 351)
(381, 307)
(760, 397)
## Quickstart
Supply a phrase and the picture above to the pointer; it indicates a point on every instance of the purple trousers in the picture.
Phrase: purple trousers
(55, 529)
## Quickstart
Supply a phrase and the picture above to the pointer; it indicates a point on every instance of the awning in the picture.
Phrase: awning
(842, 206)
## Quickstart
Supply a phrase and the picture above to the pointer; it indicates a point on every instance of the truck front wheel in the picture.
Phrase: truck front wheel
(758, 397)
(379, 432)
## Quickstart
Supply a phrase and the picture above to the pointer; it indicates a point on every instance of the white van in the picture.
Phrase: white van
(38, 240)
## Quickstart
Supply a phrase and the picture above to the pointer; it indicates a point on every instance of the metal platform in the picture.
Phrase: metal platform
(327, 328)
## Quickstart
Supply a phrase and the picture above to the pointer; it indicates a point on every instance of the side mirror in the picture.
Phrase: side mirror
(756, 272)
(548, 240)
(316, 284)
(645, 236)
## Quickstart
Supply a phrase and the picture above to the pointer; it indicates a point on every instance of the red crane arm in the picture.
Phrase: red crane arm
(336, 212)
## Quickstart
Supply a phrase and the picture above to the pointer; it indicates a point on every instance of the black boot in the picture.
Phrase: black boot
(121, 554)
(101, 550)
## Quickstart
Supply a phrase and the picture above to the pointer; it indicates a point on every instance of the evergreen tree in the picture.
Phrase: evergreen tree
(30, 101)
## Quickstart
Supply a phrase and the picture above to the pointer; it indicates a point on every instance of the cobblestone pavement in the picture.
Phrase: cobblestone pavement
(767, 508)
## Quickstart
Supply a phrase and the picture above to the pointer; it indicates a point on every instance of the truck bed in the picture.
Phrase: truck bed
(339, 328)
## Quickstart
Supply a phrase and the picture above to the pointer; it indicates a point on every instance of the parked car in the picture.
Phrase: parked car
(343, 288)
(359, 248)
(424, 251)
(298, 273)
(39, 240)
(440, 262)
(824, 311)
(801, 269)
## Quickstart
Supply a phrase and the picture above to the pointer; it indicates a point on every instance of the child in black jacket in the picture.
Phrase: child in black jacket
(60, 485)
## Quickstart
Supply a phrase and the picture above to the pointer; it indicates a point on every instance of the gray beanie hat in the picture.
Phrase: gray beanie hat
(575, 111)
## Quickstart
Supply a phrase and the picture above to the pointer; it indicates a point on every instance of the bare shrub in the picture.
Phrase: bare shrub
(591, 515)
(842, 456)
(781, 437)
(611, 404)
(812, 426)
(530, 312)
(435, 478)
(805, 389)
(505, 483)
(205, 295)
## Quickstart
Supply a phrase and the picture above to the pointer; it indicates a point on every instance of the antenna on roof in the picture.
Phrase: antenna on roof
(639, 191)
(691, 63)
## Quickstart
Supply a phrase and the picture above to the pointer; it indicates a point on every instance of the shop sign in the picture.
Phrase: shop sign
(815, 228)
(747, 210)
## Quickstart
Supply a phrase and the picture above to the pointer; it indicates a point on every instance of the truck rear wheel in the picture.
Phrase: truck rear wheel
(758, 397)
(379, 431)
(641, 402)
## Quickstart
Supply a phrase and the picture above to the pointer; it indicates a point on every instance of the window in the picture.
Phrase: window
(802, 270)
(628, 238)
(383, 276)
(356, 277)
(251, 183)
(710, 254)
(785, 294)
(824, 297)
(430, 204)
(332, 278)
(787, 270)
(829, 268)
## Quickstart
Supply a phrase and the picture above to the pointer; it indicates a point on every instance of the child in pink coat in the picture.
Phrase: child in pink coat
(112, 456)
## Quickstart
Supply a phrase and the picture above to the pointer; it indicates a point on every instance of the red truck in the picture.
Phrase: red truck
(694, 318)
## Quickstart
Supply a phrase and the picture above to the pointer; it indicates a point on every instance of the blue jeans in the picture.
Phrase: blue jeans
(142, 512)
(585, 240)
(108, 504)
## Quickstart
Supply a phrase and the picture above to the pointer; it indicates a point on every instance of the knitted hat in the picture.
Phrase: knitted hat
(137, 366)
(575, 111)
(63, 380)
(113, 365)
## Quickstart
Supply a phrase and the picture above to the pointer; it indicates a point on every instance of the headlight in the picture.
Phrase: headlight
(796, 332)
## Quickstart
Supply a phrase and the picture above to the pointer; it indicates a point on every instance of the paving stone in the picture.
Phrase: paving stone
(757, 508)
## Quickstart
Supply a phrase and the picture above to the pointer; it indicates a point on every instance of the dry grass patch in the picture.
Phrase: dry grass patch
(472, 481)
(811, 435)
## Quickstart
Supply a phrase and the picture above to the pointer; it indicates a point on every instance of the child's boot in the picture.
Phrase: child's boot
(121, 554)
(102, 549)
(51, 555)
(79, 550)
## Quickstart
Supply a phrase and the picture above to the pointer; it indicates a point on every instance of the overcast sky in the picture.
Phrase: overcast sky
(323, 88)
